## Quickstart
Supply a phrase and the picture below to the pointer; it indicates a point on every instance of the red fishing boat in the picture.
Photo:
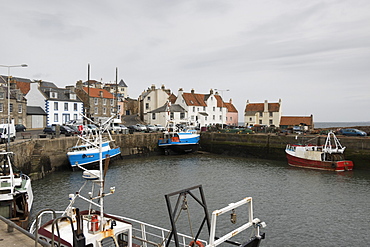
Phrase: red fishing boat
(329, 156)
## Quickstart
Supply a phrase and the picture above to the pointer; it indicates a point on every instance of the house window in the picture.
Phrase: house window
(205, 118)
(182, 115)
(214, 108)
(11, 107)
(260, 121)
(193, 108)
(1, 95)
(270, 114)
(261, 114)
(55, 106)
(148, 98)
(270, 122)
(19, 108)
(220, 117)
(204, 108)
(56, 117)
(75, 116)
(220, 108)
(104, 101)
(95, 101)
(250, 119)
(192, 118)
(66, 106)
(111, 102)
(19, 97)
(147, 106)
(231, 118)
(153, 116)
(75, 106)
(1, 107)
(172, 115)
(96, 110)
(104, 110)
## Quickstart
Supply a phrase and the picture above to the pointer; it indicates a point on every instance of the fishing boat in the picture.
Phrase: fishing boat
(16, 194)
(94, 227)
(180, 140)
(329, 156)
(86, 151)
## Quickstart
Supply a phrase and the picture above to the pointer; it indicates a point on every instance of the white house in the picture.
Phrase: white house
(268, 114)
(60, 104)
(152, 99)
(203, 109)
(168, 113)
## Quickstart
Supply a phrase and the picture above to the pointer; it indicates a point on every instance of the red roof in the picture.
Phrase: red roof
(230, 107)
(291, 121)
(259, 107)
(95, 92)
(192, 99)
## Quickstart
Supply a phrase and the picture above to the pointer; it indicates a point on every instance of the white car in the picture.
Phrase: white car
(160, 127)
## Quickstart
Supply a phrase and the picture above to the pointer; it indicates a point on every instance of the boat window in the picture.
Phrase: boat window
(122, 240)
(108, 242)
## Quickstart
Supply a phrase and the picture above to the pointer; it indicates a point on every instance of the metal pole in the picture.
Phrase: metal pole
(8, 147)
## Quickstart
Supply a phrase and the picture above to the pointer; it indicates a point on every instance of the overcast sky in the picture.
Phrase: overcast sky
(313, 55)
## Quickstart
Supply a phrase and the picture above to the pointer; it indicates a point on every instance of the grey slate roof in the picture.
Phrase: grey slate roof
(35, 110)
(63, 93)
(4, 79)
(173, 108)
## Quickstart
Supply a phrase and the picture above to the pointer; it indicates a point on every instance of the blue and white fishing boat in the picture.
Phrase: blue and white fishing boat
(179, 140)
(86, 151)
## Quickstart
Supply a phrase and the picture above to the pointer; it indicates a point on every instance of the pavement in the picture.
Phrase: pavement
(14, 238)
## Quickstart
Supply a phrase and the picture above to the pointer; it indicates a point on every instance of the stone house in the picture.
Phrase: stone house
(267, 114)
(97, 102)
(18, 103)
(301, 123)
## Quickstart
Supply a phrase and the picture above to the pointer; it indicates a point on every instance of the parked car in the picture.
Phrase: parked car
(124, 129)
(140, 127)
(75, 129)
(50, 130)
(352, 132)
(92, 127)
(151, 128)
(20, 127)
(67, 131)
(160, 127)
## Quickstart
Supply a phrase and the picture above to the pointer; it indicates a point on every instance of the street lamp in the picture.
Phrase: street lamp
(10, 66)
(222, 106)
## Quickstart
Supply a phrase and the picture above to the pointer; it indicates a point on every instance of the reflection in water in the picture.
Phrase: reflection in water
(301, 207)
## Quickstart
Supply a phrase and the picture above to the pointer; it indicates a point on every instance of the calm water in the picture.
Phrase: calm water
(340, 124)
(301, 207)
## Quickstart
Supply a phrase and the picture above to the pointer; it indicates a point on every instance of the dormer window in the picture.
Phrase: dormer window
(1, 95)
(72, 96)
(53, 95)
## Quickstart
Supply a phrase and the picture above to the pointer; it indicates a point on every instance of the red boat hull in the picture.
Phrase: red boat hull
(338, 166)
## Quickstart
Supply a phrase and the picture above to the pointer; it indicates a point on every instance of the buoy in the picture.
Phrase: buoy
(198, 243)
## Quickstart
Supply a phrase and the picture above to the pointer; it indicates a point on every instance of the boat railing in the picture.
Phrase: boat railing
(150, 235)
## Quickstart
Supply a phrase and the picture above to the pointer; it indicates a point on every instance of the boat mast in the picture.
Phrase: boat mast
(101, 178)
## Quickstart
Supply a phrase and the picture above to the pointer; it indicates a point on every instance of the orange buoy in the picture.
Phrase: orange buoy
(198, 243)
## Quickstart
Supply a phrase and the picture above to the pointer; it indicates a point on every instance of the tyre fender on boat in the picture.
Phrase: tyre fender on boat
(197, 243)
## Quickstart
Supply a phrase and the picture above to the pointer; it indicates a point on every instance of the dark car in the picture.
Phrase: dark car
(352, 132)
(50, 130)
(20, 127)
(67, 131)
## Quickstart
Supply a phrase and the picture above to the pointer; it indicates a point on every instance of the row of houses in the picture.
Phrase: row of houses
(37, 104)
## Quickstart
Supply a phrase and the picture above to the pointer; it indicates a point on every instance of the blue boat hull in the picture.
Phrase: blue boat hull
(91, 158)
(180, 143)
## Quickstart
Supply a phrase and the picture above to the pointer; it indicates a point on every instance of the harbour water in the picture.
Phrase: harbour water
(301, 207)
(340, 124)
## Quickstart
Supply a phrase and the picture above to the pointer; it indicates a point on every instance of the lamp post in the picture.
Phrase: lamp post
(10, 66)
(222, 105)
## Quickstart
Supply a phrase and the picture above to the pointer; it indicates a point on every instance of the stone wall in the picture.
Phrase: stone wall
(40, 156)
(272, 146)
